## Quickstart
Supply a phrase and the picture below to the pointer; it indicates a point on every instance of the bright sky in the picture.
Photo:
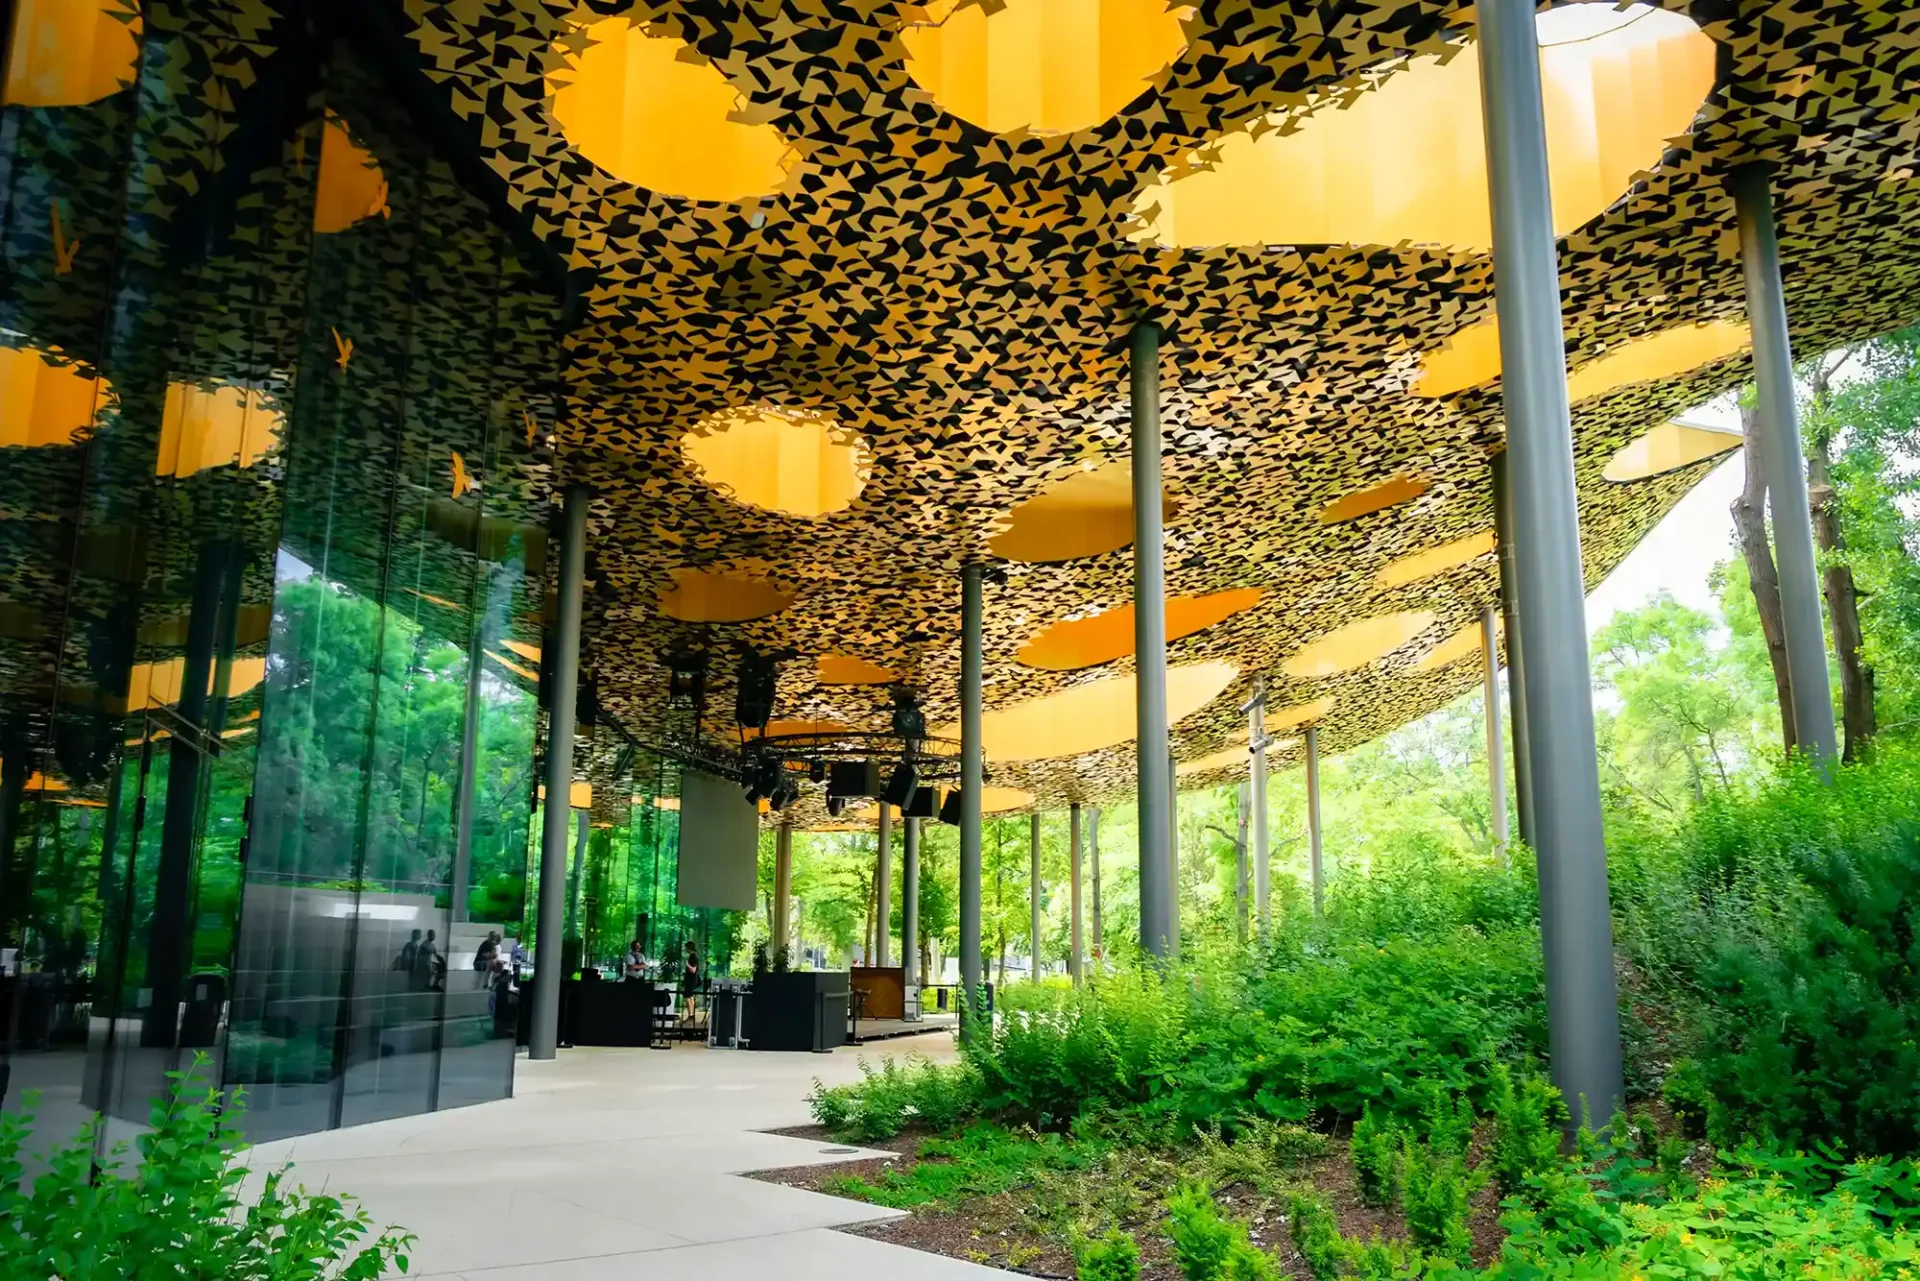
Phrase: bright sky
(1682, 549)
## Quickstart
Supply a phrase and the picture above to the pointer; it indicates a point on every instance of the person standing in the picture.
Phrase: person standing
(690, 979)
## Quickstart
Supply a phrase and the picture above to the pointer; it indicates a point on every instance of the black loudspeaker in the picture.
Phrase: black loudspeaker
(950, 809)
(854, 778)
(901, 786)
(925, 803)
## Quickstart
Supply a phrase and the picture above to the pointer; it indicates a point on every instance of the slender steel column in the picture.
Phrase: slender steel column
(463, 797)
(543, 1038)
(1314, 867)
(1173, 859)
(1033, 895)
(1242, 885)
(1093, 857)
(1257, 779)
(910, 902)
(1150, 646)
(1575, 925)
(1075, 942)
(972, 777)
(782, 884)
(1516, 662)
(1496, 751)
(1784, 462)
(883, 887)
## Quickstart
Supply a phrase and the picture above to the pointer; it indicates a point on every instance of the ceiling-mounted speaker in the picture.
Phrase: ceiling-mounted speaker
(925, 803)
(950, 809)
(854, 778)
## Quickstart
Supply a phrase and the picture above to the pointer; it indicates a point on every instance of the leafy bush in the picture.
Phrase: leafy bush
(1201, 1237)
(982, 1161)
(1528, 1122)
(1438, 1195)
(1316, 1234)
(1113, 1257)
(179, 1214)
(1769, 1216)
(1246, 1261)
(889, 1098)
(1378, 1158)
(1261, 1156)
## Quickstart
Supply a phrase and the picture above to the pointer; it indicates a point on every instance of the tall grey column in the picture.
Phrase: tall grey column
(1785, 464)
(1173, 858)
(1576, 929)
(1033, 895)
(1257, 817)
(463, 796)
(782, 885)
(1496, 752)
(1516, 661)
(1093, 857)
(1315, 870)
(563, 664)
(1076, 965)
(1242, 884)
(972, 777)
(1150, 646)
(883, 887)
(910, 904)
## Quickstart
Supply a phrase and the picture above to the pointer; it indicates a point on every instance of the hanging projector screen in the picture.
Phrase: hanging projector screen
(719, 843)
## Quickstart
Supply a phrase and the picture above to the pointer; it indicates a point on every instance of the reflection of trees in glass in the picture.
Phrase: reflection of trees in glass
(336, 666)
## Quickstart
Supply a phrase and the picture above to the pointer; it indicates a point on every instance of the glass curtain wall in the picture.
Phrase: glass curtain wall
(271, 537)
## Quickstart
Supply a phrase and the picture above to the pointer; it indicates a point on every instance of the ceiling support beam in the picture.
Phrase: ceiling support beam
(1150, 648)
(1784, 463)
(543, 1037)
(1575, 926)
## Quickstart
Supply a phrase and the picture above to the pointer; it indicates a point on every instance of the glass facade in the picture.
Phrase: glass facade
(273, 556)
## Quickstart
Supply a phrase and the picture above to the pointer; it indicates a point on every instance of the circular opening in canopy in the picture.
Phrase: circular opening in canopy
(650, 111)
(1087, 513)
(793, 463)
(849, 669)
(708, 596)
(1669, 447)
(1047, 66)
(1087, 718)
(1471, 358)
(1401, 489)
(1402, 158)
(1101, 638)
(1435, 560)
(1357, 644)
(1462, 643)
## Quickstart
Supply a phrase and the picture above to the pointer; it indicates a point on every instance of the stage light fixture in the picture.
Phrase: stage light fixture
(836, 805)
(909, 722)
(816, 771)
(755, 683)
(686, 681)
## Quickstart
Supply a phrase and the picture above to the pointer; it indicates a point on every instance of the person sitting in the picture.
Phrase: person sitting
(483, 956)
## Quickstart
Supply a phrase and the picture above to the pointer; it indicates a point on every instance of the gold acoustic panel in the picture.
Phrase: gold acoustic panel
(958, 297)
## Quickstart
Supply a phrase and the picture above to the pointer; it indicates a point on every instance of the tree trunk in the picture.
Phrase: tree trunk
(1750, 523)
(1843, 600)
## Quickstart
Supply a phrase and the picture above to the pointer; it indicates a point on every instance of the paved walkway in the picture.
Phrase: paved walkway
(621, 1164)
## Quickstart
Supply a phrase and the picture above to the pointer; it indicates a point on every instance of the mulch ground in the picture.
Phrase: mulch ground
(994, 1231)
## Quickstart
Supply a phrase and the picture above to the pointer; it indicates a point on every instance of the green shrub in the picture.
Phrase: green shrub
(893, 1096)
(1113, 1257)
(1528, 1123)
(1438, 1198)
(983, 1160)
(1377, 1150)
(1201, 1238)
(1316, 1234)
(1686, 1096)
(1246, 1261)
(179, 1214)
(1768, 1216)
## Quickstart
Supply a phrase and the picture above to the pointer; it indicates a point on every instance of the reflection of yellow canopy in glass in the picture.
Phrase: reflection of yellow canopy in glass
(43, 402)
(211, 427)
(1407, 162)
(649, 111)
(798, 464)
(67, 53)
(1051, 66)
(352, 187)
